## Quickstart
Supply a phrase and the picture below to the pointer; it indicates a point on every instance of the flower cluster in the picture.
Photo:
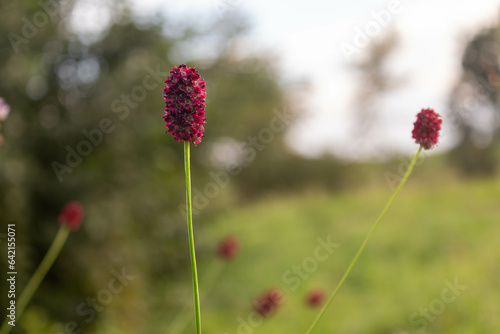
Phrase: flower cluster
(71, 215)
(184, 96)
(426, 130)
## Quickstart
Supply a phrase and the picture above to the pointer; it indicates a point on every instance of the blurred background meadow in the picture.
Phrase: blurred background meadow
(310, 106)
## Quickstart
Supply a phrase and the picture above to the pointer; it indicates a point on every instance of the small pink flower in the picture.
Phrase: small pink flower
(426, 129)
(4, 110)
(315, 298)
(268, 302)
(228, 248)
(71, 215)
(184, 96)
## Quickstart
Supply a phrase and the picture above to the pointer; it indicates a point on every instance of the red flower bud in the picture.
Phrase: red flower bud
(228, 248)
(184, 96)
(71, 215)
(315, 297)
(426, 130)
(268, 302)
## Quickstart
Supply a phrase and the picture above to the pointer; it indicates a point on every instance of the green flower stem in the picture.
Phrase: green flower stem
(187, 167)
(367, 239)
(210, 277)
(38, 276)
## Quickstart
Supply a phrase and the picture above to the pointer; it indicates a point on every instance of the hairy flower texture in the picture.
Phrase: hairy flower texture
(71, 215)
(268, 302)
(4, 110)
(228, 248)
(315, 298)
(426, 130)
(184, 96)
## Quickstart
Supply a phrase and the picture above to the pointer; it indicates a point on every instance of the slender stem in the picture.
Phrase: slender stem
(367, 239)
(38, 276)
(187, 167)
(209, 278)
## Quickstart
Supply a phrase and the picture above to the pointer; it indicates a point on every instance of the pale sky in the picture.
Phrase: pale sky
(307, 35)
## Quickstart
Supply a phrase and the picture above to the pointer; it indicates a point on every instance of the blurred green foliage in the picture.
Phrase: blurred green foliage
(474, 111)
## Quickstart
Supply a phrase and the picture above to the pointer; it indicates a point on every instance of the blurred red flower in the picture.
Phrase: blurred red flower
(71, 215)
(315, 297)
(228, 248)
(268, 302)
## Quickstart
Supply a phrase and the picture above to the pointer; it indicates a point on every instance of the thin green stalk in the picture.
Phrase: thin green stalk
(209, 278)
(187, 167)
(367, 239)
(38, 276)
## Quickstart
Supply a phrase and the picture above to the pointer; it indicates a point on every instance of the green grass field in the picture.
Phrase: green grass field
(434, 235)
(439, 232)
